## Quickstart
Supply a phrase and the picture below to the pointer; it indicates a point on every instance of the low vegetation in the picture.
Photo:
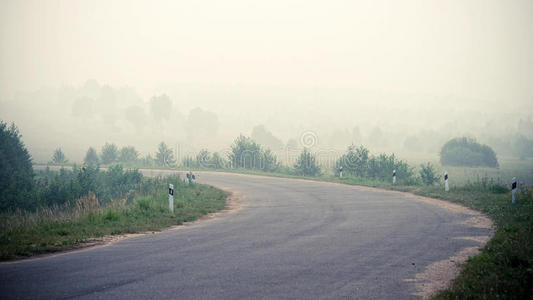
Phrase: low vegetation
(306, 165)
(72, 224)
(51, 211)
(467, 152)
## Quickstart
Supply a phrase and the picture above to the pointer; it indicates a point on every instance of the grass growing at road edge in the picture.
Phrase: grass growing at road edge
(24, 234)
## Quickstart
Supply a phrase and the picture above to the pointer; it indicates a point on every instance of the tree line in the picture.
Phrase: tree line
(20, 187)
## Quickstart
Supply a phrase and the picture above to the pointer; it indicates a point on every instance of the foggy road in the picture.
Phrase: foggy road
(291, 239)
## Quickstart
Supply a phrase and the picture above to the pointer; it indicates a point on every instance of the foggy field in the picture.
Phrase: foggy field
(387, 94)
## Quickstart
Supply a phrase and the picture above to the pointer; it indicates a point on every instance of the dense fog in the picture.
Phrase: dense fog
(400, 77)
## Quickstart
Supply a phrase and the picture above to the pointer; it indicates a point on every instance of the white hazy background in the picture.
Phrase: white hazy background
(344, 70)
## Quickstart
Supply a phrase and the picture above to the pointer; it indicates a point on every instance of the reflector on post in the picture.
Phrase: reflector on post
(171, 198)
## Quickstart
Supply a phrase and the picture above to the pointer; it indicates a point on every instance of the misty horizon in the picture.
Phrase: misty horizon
(395, 77)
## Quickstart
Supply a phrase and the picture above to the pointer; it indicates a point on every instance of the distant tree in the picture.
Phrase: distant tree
(59, 157)
(428, 174)
(264, 137)
(268, 162)
(161, 107)
(109, 153)
(355, 161)
(16, 172)
(339, 138)
(83, 107)
(164, 156)
(91, 157)
(464, 151)
(306, 164)
(359, 162)
(203, 158)
(247, 154)
(292, 144)
(522, 147)
(202, 123)
(136, 116)
(217, 161)
(128, 154)
(148, 161)
(188, 162)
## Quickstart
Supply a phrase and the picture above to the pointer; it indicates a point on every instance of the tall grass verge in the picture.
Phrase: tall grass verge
(27, 233)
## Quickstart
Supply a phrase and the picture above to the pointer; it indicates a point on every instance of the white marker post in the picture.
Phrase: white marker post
(340, 172)
(171, 197)
(514, 186)
(446, 187)
(393, 176)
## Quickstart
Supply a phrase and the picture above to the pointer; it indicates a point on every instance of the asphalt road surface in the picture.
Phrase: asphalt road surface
(292, 239)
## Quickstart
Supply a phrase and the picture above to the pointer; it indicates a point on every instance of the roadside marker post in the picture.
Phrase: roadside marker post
(514, 185)
(171, 197)
(191, 177)
(393, 176)
(340, 172)
(446, 187)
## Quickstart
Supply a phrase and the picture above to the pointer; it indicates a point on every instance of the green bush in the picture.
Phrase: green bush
(355, 161)
(247, 154)
(428, 174)
(358, 162)
(467, 152)
(306, 164)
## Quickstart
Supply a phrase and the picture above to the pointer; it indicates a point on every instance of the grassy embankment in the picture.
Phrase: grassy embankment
(25, 234)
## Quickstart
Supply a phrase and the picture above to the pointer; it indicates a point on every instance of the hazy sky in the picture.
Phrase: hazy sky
(480, 49)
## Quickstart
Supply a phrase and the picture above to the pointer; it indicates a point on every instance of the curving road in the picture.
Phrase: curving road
(292, 239)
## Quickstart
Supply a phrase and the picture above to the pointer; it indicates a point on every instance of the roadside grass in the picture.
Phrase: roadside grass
(24, 234)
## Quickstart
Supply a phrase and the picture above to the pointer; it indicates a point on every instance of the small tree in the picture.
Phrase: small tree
(306, 164)
(188, 162)
(217, 162)
(354, 161)
(59, 157)
(148, 160)
(247, 154)
(203, 158)
(128, 154)
(164, 156)
(428, 174)
(91, 157)
(109, 153)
